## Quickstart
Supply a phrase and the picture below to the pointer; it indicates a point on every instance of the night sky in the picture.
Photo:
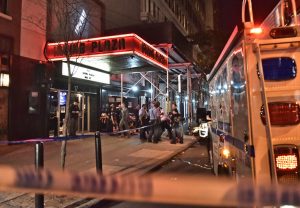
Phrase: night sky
(230, 12)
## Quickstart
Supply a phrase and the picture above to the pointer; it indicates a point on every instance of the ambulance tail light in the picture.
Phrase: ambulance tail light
(282, 113)
(287, 163)
(226, 153)
(256, 30)
(283, 32)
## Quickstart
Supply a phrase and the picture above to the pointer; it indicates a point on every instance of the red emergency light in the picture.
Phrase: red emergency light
(282, 113)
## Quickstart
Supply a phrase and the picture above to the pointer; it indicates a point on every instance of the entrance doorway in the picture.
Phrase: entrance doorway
(87, 121)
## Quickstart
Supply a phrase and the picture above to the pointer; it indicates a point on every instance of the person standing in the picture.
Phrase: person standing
(124, 119)
(176, 124)
(113, 117)
(157, 126)
(118, 116)
(166, 124)
(143, 121)
(53, 124)
(152, 117)
(136, 115)
(74, 115)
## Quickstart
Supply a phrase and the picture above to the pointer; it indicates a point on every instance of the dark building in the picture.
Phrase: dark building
(22, 111)
(25, 77)
(170, 26)
(32, 89)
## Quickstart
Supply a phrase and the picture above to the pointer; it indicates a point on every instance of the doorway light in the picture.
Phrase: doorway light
(134, 88)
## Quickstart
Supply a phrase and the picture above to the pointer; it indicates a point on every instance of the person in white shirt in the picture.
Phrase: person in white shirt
(166, 124)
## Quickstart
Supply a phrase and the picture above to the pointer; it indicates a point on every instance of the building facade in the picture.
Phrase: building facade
(189, 16)
(20, 51)
(170, 25)
(31, 88)
(26, 78)
(9, 45)
(73, 21)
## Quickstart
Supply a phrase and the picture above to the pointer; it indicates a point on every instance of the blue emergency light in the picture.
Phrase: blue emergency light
(279, 68)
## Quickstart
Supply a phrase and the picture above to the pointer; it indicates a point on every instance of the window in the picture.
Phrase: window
(4, 80)
(153, 9)
(4, 62)
(3, 6)
(238, 95)
(147, 6)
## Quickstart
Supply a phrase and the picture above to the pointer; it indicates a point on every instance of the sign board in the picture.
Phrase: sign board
(110, 45)
(62, 98)
(86, 74)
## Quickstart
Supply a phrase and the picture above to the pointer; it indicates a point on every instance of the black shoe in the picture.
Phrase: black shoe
(155, 142)
(149, 141)
(181, 142)
(172, 142)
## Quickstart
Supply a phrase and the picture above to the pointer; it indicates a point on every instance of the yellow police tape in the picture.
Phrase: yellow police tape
(181, 189)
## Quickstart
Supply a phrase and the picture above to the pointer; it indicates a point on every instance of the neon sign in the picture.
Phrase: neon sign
(111, 45)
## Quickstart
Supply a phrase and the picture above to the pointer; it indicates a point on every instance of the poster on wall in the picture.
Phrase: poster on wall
(3, 113)
(111, 99)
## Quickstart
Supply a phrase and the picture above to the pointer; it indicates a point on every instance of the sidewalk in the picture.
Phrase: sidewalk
(120, 155)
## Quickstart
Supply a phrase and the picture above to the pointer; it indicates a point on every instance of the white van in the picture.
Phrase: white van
(254, 83)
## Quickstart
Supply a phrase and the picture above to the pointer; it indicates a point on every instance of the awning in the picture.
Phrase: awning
(115, 54)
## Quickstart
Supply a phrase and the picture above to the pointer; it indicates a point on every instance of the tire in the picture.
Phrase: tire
(223, 171)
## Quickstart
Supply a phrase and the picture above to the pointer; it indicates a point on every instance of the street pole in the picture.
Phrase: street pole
(167, 96)
(122, 88)
(181, 107)
(152, 88)
(39, 164)
(98, 152)
(189, 103)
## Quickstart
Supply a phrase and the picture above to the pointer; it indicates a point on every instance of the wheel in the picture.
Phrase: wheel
(223, 170)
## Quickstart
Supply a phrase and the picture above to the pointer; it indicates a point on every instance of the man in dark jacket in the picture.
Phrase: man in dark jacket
(74, 115)
(177, 126)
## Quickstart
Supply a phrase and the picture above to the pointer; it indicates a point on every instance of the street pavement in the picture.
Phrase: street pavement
(119, 155)
(194, 162)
